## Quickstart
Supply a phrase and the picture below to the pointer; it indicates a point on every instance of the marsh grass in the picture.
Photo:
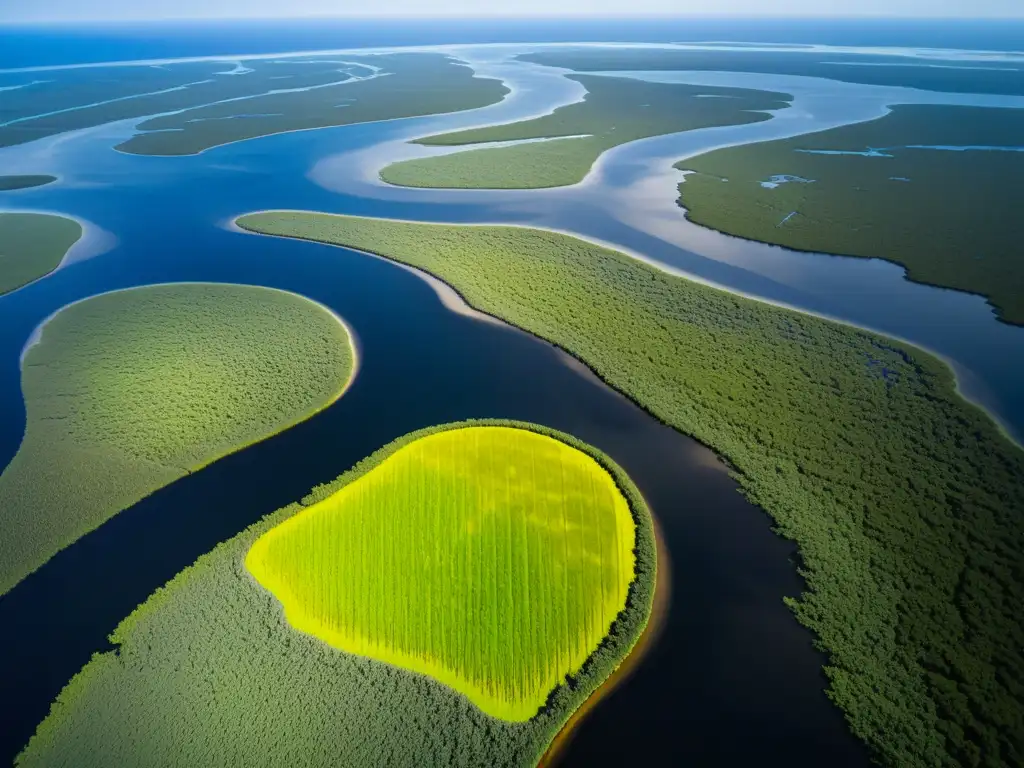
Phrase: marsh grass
(211, 108)
(128, 391)
(8, 183)
(615, 111)
(32, 245)
(982, 77)
(489, 558)
(414, 84)
(950, 217)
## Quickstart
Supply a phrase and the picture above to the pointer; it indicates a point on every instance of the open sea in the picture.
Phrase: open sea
(32, 45)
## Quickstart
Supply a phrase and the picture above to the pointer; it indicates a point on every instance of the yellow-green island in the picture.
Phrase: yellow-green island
(492, 559)
(128, 391)
(32, 245)
(502, 570)
(903, 498)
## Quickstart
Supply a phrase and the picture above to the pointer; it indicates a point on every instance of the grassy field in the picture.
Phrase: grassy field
(8, 183)
(32, 245)
(215, 102)
(492, 559)
(998, 77)
(415, 84)
(209, 672)
(615, 111)
(904, 500)
(949, 217)
(128, 391)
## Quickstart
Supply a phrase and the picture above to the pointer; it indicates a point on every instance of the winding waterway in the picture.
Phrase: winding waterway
(733, 679)
(629, 201)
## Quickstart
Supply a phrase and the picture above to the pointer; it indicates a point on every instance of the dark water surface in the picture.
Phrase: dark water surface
(733, 679)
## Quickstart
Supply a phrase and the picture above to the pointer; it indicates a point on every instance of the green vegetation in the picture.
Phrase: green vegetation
(8, 183)
(950, 217)
(32, 245)
(415, 84)
(73, 99)
(615, 111)
(492, 559)
(209, 672)
(904, 500)
(128, 391)
(997, 77)
(216, 102)
(553, 163)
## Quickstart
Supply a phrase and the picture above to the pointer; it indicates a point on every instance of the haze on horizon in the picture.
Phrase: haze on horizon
(155, 10)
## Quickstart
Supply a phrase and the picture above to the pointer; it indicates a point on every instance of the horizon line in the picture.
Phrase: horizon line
(441, 16)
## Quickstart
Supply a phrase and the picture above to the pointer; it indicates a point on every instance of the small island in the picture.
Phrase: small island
(11, 183)
(477, 502)
(444, 530)
(130, 390)
(32, 245)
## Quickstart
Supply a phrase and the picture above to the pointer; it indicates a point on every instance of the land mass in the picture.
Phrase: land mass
(1000, 75)
(10, 183)
(537, 532)
(194, 106)
(903, 498)
(934, 188)
(203, 667)
(614, 111)
(128, 391)
(397, 86)
(32, 245)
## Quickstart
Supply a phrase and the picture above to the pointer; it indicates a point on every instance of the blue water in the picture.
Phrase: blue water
(779, 179)
(884, 152)
(861, 153)
(25, 45)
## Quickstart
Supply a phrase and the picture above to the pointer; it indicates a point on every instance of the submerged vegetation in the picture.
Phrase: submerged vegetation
(871, 187)
(904, 500)
(615, 111)
(9, 183)
(209, 672)
(32, 245)
(203, 104)
(492, 559)
(127, 391)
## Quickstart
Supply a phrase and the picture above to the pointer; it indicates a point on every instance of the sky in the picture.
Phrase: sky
(81, 10)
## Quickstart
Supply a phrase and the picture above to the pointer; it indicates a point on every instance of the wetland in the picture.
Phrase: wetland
(730, 639)
(33, 246)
